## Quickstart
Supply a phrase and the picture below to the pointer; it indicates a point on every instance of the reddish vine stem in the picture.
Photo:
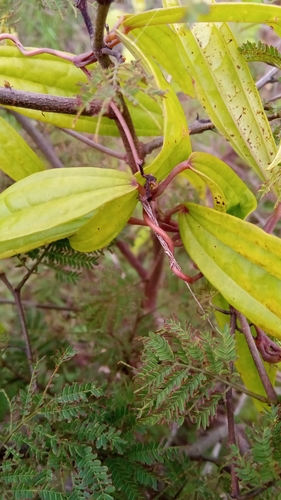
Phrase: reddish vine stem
(154, 277)
(268, 350)
(128, 134)
(269, 390)
(273, 219)
(166, 242)
(132, 259)
(184, 165)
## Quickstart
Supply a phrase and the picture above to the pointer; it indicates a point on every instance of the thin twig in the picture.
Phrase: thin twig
(250, 495)
(32, 269)
(32, 305)
(230, 416)
(18, 303)
(154, 144)
(132, 259)
(269, 390)
(274, 98)
(17, 296)
(43, 143)
(154, 277)
(93, 144)
(214, 435)
(267, 78)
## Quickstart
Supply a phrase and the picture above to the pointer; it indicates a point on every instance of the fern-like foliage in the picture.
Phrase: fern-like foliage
(181, 373)
(259, 470)
(63, 259)
(72, 445)
(261, 52)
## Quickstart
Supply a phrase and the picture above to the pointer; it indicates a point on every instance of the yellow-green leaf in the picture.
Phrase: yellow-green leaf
(47, 74)
(105, 225)
(161, 43)
(176, 141)
(230, 194)
(54, 204)
(224, 86)
(17, 159)
(240, 260)
(173, 12)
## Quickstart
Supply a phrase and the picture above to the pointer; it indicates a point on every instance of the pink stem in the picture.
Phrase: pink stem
(126, 129)
(184, 165)
(273, 219)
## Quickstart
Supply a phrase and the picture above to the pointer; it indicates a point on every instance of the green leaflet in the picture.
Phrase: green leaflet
(240, 260)
(54, 204)
(105, 225)
(16, 158)
(244, 363)
(176, 142)
(230, 194)
(173, 12)
(48, 74)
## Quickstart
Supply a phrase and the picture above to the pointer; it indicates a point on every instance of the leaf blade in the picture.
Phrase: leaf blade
(18, 160)
(105, 225)
(230, 253)
(54, 204)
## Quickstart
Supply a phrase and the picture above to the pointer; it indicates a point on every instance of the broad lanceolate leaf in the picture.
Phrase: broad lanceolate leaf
(16, 158)
(105, 225)
(244, 363)
(163, 44)
(240, 260)
(176, 141)
(230, 194)
(48, 74)
(54, 204)
(224, 86)
(246, 12)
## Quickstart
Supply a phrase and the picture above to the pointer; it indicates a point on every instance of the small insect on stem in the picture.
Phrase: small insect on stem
(150, 181)
(7, 85)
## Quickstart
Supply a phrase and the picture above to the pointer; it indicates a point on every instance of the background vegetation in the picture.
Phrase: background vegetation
(127, 398)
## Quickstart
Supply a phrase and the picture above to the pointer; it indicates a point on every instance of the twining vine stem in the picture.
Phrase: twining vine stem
(269, 390)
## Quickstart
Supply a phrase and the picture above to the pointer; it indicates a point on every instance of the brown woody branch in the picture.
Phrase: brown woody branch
(50, 103)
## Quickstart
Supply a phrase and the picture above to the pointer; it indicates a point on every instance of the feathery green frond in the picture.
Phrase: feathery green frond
(261, 52)
(180, 374)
